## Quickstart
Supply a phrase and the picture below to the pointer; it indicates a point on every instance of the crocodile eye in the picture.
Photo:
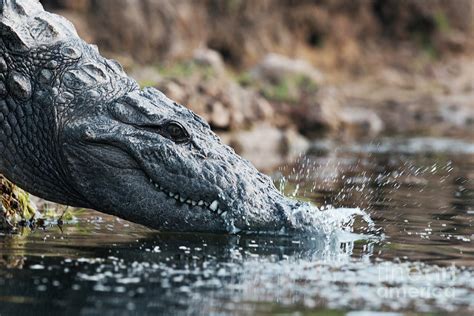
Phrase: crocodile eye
(176, 132)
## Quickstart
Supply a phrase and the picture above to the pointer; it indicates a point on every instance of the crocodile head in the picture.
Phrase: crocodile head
(148, 159)
(76, 130)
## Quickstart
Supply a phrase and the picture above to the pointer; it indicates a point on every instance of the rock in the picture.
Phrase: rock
(175, 91)
(209, 58)
(145, 76)
(293, 144)
(220, 116)
(453, 41)
(247, 105)
(359, 122)
(225, 104)
(266, 146)
(275, 68)
(457, 111)
(317, 115)
(325, 111)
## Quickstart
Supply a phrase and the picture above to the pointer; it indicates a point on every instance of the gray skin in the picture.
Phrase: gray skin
(76, 130)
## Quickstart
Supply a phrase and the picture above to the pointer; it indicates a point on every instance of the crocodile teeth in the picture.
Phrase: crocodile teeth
(214, 205)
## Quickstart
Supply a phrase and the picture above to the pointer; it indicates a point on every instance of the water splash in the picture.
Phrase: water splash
(330, 221)
(308, 218)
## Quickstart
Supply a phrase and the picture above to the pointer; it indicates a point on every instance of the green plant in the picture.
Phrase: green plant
(16, 206)
(289, 89)
(441, 21)
(278, 92)
(185, 69)
(245, 79)
(15, 202)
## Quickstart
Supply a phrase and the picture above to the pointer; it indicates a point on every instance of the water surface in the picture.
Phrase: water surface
(419, 259)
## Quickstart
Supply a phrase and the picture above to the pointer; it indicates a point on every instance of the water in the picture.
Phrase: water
(417, 257)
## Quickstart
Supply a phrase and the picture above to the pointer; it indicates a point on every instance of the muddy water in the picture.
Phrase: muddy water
(420, 259)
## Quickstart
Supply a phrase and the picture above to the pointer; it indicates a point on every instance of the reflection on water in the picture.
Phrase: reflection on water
(422, 201)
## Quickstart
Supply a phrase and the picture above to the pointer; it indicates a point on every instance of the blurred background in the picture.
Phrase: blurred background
(271, 76)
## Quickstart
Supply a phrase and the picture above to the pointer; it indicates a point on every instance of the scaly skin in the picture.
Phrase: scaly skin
(76, 130)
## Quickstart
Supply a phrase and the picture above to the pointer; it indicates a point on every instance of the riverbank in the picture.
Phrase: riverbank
(296, 71)
(290, 103)
(273, 85)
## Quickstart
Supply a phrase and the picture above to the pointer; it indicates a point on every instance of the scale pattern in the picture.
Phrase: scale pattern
(74, 129)
(47, 75)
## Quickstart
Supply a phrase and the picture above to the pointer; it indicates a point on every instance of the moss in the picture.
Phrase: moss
(15, 201)
(233, 6)
(185, 69)
(147, 83)
(289, 89)
(425, 38)
(279, 91)
(16, 208)
(15, 205)
(428, 48)
(306, 84)
(60, 212)
(176, 70)
(244, 79)
(441, 21)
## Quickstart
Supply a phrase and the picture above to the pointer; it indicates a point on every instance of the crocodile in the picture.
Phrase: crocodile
(76, 130)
